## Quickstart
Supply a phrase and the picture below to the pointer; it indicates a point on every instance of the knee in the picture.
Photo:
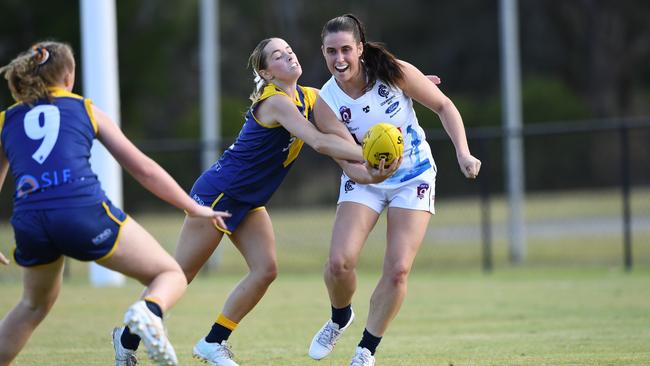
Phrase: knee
(189, 274)
(267, 273)
(38, 306)
(339, 267)
(397, 275)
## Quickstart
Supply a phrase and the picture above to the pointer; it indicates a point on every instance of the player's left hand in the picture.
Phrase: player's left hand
(382, 173)
(469, 165)
(3, 259)
(206, 212)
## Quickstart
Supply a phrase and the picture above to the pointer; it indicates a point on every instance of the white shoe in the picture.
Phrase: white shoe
(215, 354)
(149, 328)
(324, 341)
(123, 356)
(362, 357)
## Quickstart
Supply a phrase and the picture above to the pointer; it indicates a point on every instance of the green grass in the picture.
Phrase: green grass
(513, 317)
(570, 303)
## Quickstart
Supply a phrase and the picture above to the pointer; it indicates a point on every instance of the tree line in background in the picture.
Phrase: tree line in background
(581, 59)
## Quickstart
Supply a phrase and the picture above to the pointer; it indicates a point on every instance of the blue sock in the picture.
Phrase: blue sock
(218, 334)
(342, 316)
(369, 341)
(154, 308)
(129, 340)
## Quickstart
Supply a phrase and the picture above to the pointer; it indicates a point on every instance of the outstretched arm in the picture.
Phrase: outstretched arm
(359, 172)
(147, 172)
(281, 109)
(420, 88)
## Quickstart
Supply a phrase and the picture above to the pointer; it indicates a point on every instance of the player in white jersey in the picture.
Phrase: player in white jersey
(369, 85)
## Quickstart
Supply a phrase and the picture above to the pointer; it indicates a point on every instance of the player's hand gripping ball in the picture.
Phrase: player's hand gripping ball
(382, 141)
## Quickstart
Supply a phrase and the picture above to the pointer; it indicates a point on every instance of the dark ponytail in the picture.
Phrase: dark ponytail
(378, 62)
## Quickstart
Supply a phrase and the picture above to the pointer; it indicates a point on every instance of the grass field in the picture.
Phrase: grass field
(570, 303)
(514, 317)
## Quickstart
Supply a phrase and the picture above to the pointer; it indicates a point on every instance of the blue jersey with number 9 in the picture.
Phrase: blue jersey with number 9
(48, 146)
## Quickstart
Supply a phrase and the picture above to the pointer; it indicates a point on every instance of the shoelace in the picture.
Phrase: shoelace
(224, 350)
(126, 356)
(328, 336)
(361, 359)
(127, 359)
(131, 360)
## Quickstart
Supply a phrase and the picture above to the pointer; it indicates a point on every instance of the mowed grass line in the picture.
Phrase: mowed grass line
(514, 317)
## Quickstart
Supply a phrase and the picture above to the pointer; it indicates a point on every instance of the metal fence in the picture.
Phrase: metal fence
(622, 129)
(581, 154)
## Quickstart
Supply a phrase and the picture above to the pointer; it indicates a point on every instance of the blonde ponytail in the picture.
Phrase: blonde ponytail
(32, 72)
(257, 62)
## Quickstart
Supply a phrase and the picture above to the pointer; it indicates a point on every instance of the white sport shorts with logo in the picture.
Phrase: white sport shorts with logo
(416, 194)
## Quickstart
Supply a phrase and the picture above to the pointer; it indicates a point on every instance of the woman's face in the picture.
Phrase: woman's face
(281, 62)
(342, 55)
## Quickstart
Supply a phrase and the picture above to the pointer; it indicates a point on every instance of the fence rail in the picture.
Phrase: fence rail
(480, 139)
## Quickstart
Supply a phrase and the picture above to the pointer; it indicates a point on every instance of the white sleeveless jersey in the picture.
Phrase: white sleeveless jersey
(389, 105)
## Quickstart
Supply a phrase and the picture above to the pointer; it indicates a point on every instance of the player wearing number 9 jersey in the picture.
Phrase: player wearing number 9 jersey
(48, 147)
(61, 210)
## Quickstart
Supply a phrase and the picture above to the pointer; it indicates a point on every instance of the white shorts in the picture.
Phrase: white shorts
(416, 194)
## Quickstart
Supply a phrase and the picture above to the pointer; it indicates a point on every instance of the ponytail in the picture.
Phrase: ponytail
(257, 62)
(31, 73)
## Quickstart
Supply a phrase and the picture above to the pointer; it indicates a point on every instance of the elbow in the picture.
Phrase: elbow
(444, 105)
(146, 172)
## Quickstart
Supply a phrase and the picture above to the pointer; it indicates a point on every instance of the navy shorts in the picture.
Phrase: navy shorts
(205, 194)
(88, 233)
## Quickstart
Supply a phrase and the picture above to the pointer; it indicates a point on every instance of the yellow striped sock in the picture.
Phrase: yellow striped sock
(225, 322)
(155, 300)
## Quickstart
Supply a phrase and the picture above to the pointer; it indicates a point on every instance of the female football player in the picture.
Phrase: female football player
(242, 181)
(369, 85)
(60, 209)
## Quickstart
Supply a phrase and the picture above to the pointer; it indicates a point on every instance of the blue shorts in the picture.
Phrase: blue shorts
(205, 194)
(88, 233)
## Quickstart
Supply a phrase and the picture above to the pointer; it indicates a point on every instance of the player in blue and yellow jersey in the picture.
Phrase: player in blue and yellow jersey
(241, 182)
(61, 210)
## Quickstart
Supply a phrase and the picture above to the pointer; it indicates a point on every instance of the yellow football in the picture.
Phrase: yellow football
(382, 141)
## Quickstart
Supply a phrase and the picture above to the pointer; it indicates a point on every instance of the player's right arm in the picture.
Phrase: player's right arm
(359, 172)
(281, 109)
(147, 172)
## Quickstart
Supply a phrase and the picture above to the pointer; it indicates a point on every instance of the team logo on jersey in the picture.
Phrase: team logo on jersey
(391, 108)
(366, 109)
(349, 185)
(422, 189)
(383, 91)
(346, 114)
(26, 185)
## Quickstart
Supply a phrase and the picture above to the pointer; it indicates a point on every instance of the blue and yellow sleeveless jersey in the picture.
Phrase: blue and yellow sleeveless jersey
(48, 147)
(252, 168)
